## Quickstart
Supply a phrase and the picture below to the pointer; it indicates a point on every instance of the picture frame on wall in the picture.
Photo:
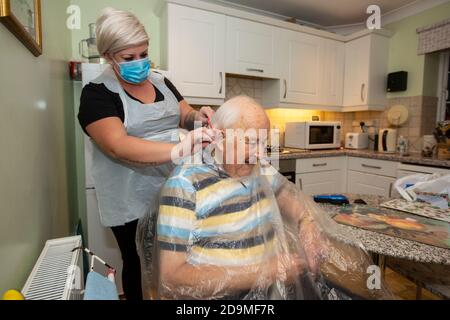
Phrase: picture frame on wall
(23, 19)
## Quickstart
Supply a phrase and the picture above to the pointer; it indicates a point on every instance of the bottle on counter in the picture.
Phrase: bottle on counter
(403, 146)
(376, 140)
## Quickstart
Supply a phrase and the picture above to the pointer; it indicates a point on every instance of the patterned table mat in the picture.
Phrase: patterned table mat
(418, 208)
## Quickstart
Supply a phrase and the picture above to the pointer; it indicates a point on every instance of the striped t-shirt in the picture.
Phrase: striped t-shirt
(217, 219)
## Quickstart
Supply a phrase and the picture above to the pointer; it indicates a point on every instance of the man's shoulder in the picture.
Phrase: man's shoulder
(188, 176)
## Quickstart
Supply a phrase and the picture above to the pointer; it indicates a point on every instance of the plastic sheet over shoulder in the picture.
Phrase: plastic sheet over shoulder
(212, 236)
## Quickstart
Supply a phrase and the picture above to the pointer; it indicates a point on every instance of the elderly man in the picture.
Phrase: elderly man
(230, 229)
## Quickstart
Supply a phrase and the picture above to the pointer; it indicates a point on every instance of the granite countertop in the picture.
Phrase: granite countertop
(414, 158)
(386, 245)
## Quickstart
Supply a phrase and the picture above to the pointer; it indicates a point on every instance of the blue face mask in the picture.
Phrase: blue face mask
(136, 71)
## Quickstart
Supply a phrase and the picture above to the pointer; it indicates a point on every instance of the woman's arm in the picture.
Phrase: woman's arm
(189, 116)
(110, 135)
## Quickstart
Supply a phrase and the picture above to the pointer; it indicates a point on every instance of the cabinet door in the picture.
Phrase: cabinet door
(196, 50)
(301, 57)
(251, 48)
(332, 79)
(326, 182)
(364, 183)
(357, 64)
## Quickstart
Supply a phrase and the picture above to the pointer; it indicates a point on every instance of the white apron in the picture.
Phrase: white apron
(125, 193)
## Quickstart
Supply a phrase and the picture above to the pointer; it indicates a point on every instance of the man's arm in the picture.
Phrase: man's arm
(181, 279)
(311, 237)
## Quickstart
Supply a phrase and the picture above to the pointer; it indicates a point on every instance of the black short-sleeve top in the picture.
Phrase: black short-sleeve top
(97, 103)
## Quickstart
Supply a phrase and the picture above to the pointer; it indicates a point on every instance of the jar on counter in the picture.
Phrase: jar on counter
(403, 146)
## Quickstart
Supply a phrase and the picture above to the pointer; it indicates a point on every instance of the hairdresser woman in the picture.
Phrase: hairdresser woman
(133, 117)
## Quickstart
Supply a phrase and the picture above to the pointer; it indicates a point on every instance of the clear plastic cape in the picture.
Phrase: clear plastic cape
(303, 254)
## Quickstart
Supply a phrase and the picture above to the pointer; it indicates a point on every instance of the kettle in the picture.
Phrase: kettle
(387, 142)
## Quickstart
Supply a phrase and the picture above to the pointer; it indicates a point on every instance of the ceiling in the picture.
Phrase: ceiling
(323, 12)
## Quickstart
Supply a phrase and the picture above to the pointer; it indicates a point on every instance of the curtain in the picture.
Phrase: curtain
(434, 37)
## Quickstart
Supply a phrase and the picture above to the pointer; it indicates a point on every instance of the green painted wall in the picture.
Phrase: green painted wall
(35, 97)
(422, 69)
(90, 10)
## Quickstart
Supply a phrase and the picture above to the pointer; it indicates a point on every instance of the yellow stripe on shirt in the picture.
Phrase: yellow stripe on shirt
(245, 254)
(177, 212)
(217, 221)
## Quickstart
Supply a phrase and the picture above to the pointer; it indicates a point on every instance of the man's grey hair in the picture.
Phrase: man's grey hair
(232, 112)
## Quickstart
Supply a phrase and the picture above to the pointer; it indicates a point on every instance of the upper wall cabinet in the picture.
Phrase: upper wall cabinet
(251, 48)
(312, 73)
(301, 67)
(366, 73)
(332, 77)
(196, 52)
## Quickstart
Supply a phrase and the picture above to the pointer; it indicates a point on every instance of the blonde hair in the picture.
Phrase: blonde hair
(118, 30)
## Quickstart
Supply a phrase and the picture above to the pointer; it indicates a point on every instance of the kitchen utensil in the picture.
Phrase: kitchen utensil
(357, 140)
(403, 146)
(429, 145)
(387, 141)
(88, 47)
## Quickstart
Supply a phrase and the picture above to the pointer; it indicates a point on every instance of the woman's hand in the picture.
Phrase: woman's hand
(194, 142)
(205, 114)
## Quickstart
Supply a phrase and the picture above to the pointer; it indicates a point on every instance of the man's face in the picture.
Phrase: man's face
(243, 147)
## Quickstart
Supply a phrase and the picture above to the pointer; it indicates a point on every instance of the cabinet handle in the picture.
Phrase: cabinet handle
(363, 88)
(320, 165)
(255, 70)
(300, 182)
(285, 89)
(390, 190)
(371, 167)
(221, 82)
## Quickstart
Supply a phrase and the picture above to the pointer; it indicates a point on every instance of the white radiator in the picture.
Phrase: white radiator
(58, 273)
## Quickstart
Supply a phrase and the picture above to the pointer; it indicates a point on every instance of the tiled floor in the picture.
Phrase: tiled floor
(403, 289)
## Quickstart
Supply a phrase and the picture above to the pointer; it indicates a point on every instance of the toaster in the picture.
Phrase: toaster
(357, 140)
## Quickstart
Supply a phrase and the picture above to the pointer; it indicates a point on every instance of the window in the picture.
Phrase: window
(444, 87)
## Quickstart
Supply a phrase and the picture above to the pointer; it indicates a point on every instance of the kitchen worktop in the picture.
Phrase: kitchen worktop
(414, 158)
(388, 245)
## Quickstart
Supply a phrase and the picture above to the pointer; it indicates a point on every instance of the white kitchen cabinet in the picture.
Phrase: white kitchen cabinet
(371, 176)
(196, 51)
(366, 60)
(370, 184)
(325, 182)
(312, 73)
(409, 169)
(251, 48)
(321, 175)
(320, 164)
(332, 77)
(301, 67)
(373, 166)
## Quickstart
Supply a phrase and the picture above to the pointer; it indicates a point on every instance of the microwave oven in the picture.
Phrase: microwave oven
(313, 135)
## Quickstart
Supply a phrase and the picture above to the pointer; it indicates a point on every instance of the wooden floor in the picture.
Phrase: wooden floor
(403, 289)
